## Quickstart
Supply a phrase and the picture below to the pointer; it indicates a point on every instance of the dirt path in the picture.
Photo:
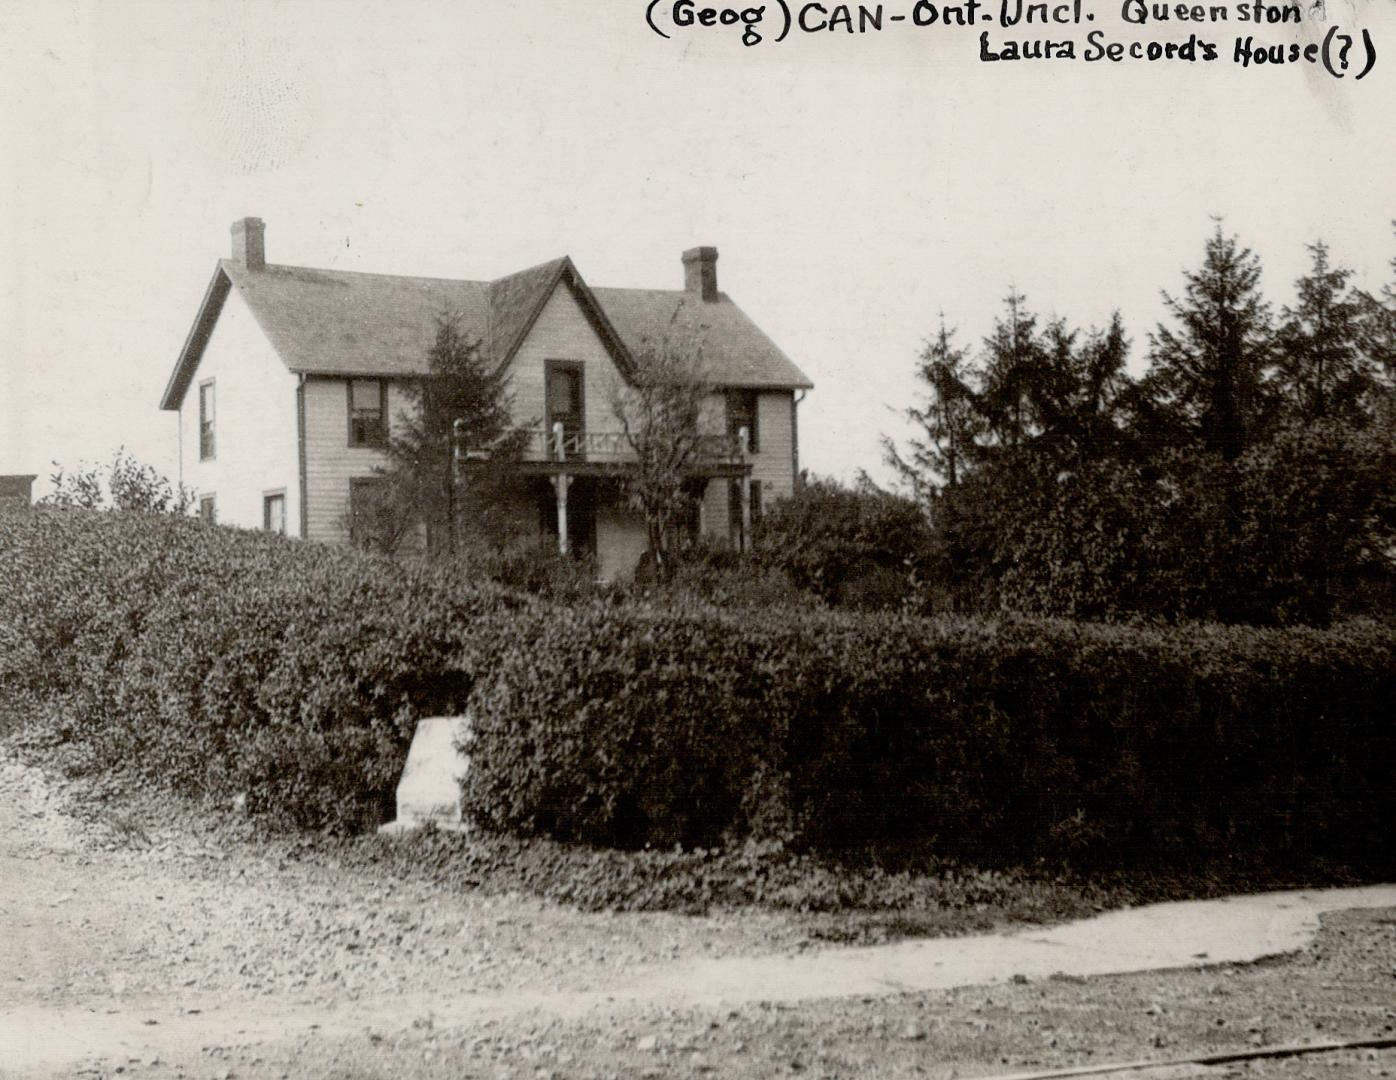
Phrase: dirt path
(161, 952)
(117, 940)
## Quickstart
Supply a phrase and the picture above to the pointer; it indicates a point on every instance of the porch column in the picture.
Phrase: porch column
(560, 485)
(746, 511)
(744, 439)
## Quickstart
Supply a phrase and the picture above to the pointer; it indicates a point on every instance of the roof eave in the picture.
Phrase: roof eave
(591, 307)
(196, 340)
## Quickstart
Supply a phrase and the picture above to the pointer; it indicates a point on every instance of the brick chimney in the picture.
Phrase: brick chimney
(700, 272)
(249, 243)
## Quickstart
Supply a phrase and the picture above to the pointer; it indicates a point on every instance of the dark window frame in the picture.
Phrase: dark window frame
(578, 369)
(375, 441)
(268, 497)
(208, 419)
(373, 486)
(208, 509)
(738, 401)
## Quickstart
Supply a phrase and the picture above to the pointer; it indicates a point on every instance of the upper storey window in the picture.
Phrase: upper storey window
(206, 434)
(741, 413)
(566, 404)
(368, 412)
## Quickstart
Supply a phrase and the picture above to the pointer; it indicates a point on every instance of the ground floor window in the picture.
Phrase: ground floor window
(367, 511)
(274, 512)
(208, 509)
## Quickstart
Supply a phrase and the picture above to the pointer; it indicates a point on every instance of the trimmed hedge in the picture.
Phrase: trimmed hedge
(1010, 739)
(222, 662)
(225, 662)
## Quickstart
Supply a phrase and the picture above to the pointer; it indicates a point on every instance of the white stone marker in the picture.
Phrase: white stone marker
(429, 791)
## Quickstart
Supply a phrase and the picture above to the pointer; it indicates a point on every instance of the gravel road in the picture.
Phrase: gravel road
(105, 920)
(155, 952)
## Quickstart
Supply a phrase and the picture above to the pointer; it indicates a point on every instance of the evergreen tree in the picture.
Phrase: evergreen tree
(1321, 369)
(1207, 376)
(939, 454)
(1379, 331)
(459, 409)
(1075, 396)
(1013, 361)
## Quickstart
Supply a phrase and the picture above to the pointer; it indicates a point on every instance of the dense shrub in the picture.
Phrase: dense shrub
(857, 547)
(1020, 739)
(226, 662)
(712, 574)
(1290, 533)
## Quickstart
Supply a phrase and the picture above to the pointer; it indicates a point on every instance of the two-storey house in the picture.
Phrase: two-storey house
(291, 379)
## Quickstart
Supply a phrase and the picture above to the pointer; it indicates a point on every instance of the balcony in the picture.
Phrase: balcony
(610, 452)
(558, 451)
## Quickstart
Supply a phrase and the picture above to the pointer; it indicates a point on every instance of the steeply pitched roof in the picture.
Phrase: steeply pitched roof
(735, 350)
(337, 322)
(343, 323)
(515, 302)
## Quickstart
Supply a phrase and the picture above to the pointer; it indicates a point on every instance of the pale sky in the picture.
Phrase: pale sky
(855, 186)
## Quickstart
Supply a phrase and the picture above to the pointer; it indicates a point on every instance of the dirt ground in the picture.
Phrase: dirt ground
(148, 952)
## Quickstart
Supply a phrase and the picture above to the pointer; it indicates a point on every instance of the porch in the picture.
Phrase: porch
(579, 477)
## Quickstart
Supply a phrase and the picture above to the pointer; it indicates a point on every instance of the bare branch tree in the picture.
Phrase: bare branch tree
(660, 413)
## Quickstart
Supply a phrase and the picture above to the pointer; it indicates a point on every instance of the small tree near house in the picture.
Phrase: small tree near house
(128, 484)
(460, 411)
(660, 413)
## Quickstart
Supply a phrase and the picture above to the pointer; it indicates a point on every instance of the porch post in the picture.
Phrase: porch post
(744, 437)
(560, 483)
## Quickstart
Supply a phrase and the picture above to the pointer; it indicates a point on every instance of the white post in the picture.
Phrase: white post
(560, 484)
(744, 443)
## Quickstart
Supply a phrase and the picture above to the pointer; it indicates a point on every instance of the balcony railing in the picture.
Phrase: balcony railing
(613, 448)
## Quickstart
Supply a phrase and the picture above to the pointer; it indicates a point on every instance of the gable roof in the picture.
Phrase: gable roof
(736, 352)
(516, 301)
(340, 322)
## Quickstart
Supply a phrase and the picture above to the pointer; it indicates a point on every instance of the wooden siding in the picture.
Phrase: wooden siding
(773, 466)
(254, 423)
(330, 462)
(562, 332)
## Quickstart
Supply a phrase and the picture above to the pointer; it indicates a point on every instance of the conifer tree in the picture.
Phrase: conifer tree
(1013, 360)
(1379, 330)
(940, 452)
(459, 409)
(1321, 370)
(1207, 373)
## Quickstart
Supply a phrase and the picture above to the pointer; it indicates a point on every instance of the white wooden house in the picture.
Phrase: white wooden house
(291, 379)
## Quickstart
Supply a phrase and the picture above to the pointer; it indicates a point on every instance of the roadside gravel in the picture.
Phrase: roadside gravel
(114, 917)
(172, 910)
